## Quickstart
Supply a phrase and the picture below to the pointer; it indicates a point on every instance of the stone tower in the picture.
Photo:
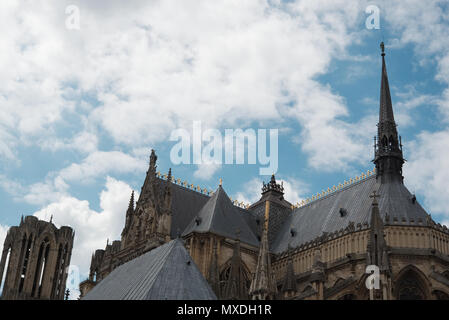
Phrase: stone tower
(35, 258)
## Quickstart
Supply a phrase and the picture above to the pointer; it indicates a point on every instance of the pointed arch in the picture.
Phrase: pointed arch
(25, 255)
(244, 274)
(56, 276)
(411, 284)
(41, 266)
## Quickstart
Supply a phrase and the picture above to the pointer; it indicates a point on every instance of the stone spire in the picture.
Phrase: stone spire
(262, 286)
(235, 288)
(386, 107)
(377, 254)
(289, 283)
(153, 159)
(129, 218)
(131, 204)
(150, 189)
(388, 148)
(377, 247)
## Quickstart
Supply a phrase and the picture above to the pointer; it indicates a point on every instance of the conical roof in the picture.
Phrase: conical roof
(221, 217)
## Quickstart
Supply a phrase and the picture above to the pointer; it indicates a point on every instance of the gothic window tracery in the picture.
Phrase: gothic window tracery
(410, 287)
(243, 278)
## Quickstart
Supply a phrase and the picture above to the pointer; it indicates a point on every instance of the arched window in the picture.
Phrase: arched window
(243, 278)
(41, 267)
(59, 272)
(62, 270)
(410, 287)
(25, 254)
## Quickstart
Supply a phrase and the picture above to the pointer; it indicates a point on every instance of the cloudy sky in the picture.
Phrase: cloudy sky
(81, 108)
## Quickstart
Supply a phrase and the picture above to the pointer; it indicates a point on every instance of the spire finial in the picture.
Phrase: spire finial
(382, 47)
(131, 202)
(153, 159)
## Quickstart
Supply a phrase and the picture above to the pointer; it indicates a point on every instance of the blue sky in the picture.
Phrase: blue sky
(80, 109)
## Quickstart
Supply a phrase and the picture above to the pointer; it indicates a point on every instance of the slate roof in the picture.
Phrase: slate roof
(160, 274)
(250, 218)
(185, 206)
(221, 217)
(323, 215)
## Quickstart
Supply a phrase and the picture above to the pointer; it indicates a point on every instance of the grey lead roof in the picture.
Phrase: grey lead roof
(166, 272)
(323, 215)
(221, 217)
(185, 206)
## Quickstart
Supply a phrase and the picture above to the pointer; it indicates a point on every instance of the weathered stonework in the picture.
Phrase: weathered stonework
(39, 256)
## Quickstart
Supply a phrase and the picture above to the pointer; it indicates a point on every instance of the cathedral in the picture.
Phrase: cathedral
(365, 239)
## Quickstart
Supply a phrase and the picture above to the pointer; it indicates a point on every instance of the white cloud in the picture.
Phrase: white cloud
(205, 171)
(92, 228)
(3, 232)
(98, 163)
(84, 142)
(228, 64)
(427, 170)
(95, 165)
(294, 190)
(10, 186)
(251, 191)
